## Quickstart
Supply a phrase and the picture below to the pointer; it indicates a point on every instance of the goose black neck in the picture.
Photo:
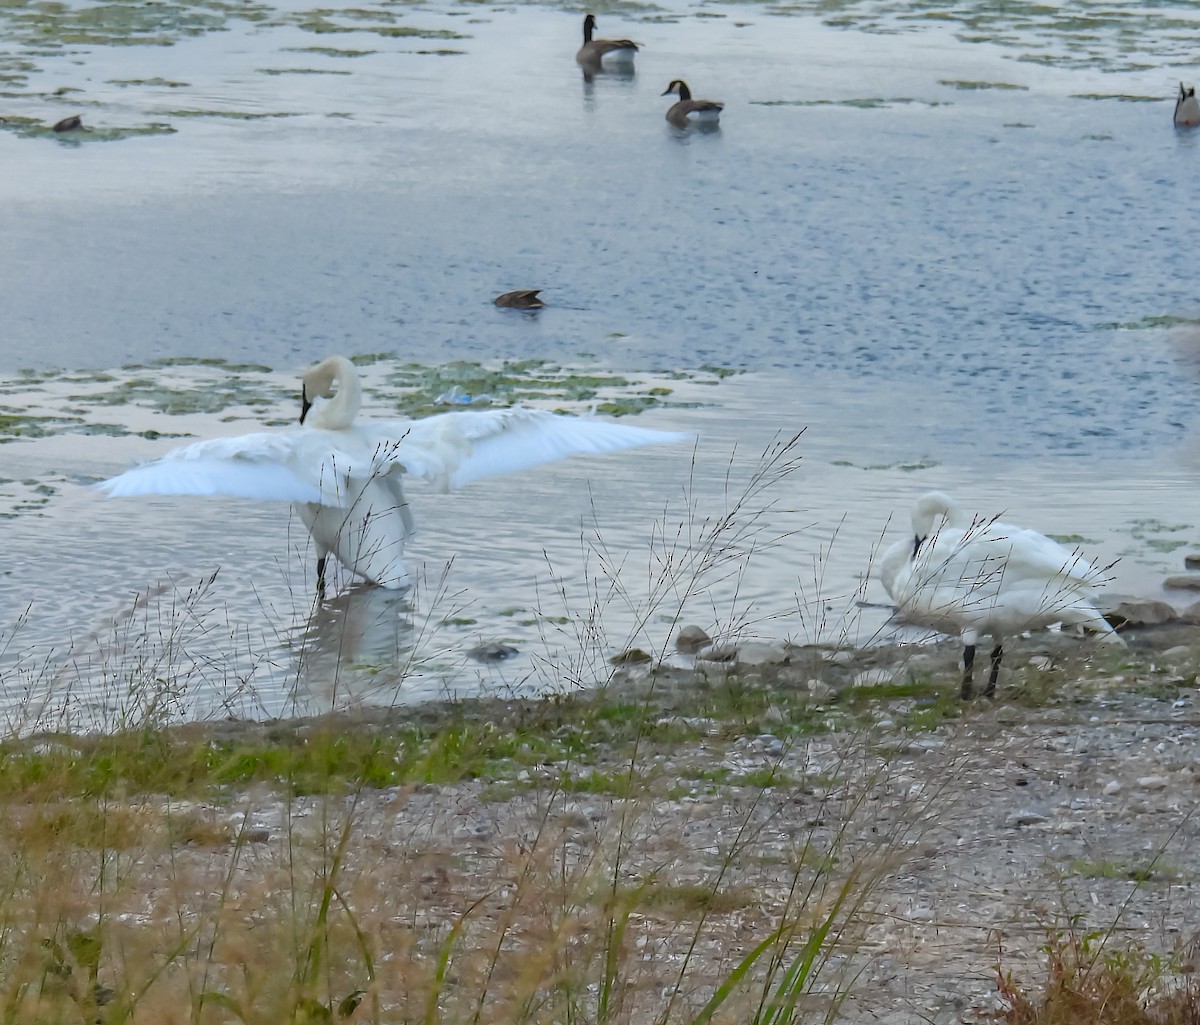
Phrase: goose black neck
(684, 92)
(589, 26)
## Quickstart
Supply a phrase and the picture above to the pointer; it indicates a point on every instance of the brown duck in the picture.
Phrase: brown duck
(687, 109)
(595, 52)
(521, 299)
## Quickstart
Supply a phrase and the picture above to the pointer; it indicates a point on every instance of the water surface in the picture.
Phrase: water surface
(951, 243)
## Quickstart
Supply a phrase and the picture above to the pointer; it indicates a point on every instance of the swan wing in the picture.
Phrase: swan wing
(1030, 555)
(289, 466)
(459, 447)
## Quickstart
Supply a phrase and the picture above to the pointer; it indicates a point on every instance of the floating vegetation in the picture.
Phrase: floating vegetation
(1119, 97)
(32, 128)
(328, 51)
(319, 23)
(1152, 323)
(164, 83)
(52, 402)
(969, 85)
(302, 71)
(863, 103)
(235, 115)
(405, 32)
(1150, 532)
(441, 53)
(925, 463)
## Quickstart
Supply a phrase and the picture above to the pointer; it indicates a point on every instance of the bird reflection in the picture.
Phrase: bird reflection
(354, 644)
(593, 70)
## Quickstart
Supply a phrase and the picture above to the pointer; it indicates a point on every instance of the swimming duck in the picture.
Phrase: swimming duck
(595, 52)
(687, 109)
(521, 299)
(1187, 109)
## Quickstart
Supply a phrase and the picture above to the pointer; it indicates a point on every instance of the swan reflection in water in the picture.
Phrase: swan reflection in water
(371, 646)
(356, 647)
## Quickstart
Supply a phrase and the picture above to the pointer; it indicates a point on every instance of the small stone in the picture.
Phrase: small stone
(819, 689)
(1190, 582)
(631, 657)
(1179, 651)
(759, 653)
(1191, 562)
(1113, 786)
(691, 639)
(1153, 782)
(493, 651)
(874, 678)
(1122, 612)
(718, 653)
(1042, 663)
(838, 658)
(1026, 818)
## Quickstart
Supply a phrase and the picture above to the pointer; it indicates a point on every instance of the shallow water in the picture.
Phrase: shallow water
(950, 243)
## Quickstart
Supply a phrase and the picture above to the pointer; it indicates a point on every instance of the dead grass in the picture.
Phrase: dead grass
(1093, 981)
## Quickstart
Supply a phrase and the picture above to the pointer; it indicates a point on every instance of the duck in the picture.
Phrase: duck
(74, 123)
(687, 109)
(971, 577)
(1187, 108)
(344, 476)
(595, 52)
(521, 299)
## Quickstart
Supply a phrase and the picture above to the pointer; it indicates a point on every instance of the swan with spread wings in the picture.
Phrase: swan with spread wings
(344, 476)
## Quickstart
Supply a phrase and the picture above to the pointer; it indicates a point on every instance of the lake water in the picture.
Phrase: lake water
(952, 245)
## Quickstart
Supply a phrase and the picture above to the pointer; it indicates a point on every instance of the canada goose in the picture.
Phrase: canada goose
(344, 478)
(1187, 109)
(68, 124)
(972, 577)
(595, 52)
(687, 109)
(521, 299)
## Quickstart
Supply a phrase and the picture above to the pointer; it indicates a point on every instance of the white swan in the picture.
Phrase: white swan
(972, 577)
(345, 477)
(1187, 108)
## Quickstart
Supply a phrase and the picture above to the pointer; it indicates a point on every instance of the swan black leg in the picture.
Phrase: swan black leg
(997, 655)
(321, 577)
(968, 666)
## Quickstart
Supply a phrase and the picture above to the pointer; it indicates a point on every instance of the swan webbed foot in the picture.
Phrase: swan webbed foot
(997, 655)
(968, 666)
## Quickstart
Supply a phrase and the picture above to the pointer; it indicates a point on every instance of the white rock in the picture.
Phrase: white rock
(759, 653)
(838, 658)
(874, 678)
(1153, 782)
(819, 689)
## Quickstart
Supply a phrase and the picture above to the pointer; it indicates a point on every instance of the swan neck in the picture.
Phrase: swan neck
(332, 395)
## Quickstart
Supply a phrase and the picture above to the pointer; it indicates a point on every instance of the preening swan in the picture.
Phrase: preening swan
(597, 52)
(687, 109)
(344, 478)
(1187, 108)
(972, 577)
